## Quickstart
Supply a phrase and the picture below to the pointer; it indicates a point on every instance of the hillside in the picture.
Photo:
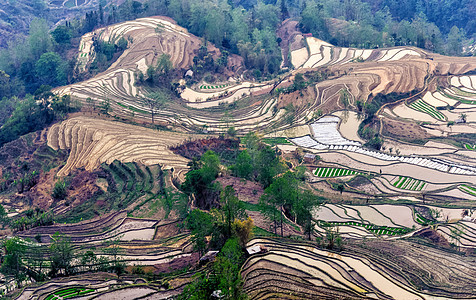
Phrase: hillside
(182, 172)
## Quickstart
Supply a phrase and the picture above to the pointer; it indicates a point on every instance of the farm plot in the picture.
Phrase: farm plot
(469, 147)
(356, 221)
(69, 293)
(408, 183)
(422, 106)
(462, 234)
(377, 230)
(468, 189)
(358, 155)
(208, 87)
(325, 132)
(334, 172)
(93, 142)
(308, 272)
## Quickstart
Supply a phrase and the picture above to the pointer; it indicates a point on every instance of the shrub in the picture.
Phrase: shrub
(59, 191)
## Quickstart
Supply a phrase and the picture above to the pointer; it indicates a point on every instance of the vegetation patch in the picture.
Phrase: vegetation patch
(334, 172)
(469, 147)
(408, 183)
(276, 141)
(467, 189)
(207, 87)
(378, 230)
(424, 107)
(69, 293)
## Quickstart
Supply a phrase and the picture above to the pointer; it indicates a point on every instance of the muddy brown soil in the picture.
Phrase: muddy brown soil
(406, 131)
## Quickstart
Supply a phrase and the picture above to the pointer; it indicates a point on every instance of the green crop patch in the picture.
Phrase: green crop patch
(426, 108)
(378, 230)
(276, 141)
(207, 87)
(469, 147)
(468, 189)
(408, 183)
(334, 172)
(69, 293)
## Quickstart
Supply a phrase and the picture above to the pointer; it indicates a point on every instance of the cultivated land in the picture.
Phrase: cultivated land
(406, 211)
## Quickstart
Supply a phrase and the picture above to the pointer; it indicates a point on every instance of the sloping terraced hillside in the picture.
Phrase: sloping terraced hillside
(307, 272)
(93, 142)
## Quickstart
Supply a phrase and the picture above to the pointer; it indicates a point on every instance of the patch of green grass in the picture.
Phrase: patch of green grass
(379, 230)
(408, 183)
(469, 147)
(276, 141)
(424, 107)
(467, 189)
(132, 108)
(334, 172)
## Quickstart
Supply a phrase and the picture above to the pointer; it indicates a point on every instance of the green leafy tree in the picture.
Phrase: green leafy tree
(244, 166)
(106, 107)
(39, 38)
(62, 34)
(227, 269)
(51, 69)
(201, 225)
(231, 207)
(59, 190)
(280, 194)
(62, 255)
(13, 264)
(303, 208)
(4, 220)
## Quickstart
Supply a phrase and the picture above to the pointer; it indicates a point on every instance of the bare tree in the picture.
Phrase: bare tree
(155, 102)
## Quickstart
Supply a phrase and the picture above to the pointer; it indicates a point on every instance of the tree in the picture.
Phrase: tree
(13, 264)
(39, 38)
(227, 269)
(454, 42)
(231, 207)
(4, 220)
(243, 167)
(280, 194)
(268, 165)
(155, 101)
(210, 165)
(51, 69)
(59, 191)
(243, 230)
(463, 117)
(62, 34)
(333, 238)
(164, 64)
(62, 255)
(114, 250)
(106, 106)
(303, 207)
(201, 225)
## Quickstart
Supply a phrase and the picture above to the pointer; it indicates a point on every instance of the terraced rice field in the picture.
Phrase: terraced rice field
(325, 131)
(93, 142)
(334, 172)
(208, 87)
(408, 183)
(358, 221)
(378, 230)
(307, 272)
(422, 106)
(462, 234)
(69, 293)
(468, 189)
(469, 147)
